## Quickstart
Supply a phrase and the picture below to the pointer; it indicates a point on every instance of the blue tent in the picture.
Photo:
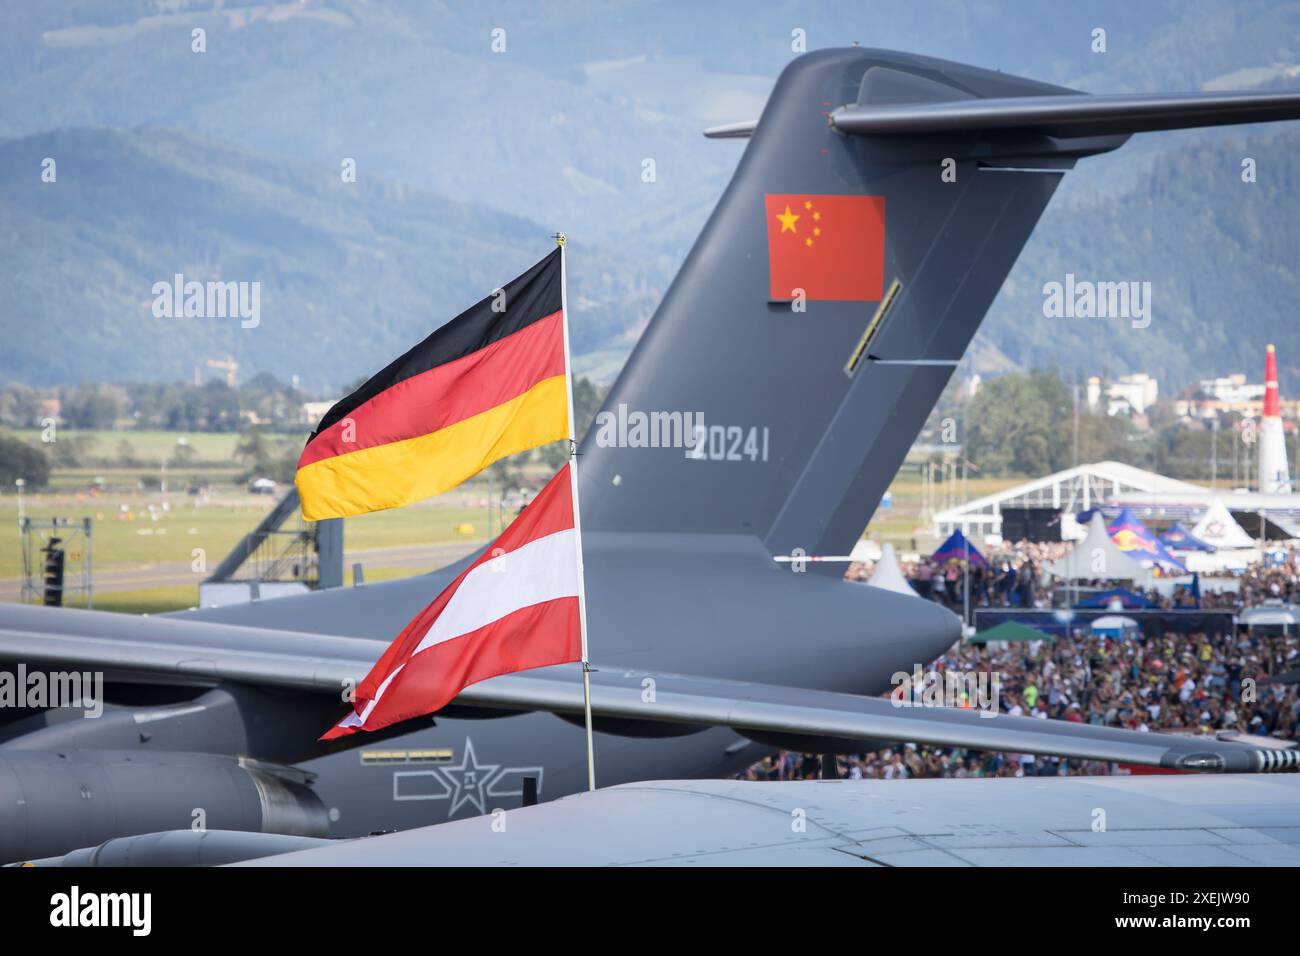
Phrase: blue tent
(959, 548)
(1180, 539)
(1083, 517)
(1127, 599)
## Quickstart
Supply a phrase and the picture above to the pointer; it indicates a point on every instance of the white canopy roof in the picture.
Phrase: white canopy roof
(1112, 621)
(1076, 489)
(1219, 528)
(1285, 614)
(1097, 556)
(889, 575)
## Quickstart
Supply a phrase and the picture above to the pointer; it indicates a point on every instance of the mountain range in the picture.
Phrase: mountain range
(476, 131)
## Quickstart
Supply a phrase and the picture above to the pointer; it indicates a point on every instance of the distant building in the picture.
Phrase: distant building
(49, 408)
(1127, 395)
(313, 412)
(1231, 388)
(1231, 394)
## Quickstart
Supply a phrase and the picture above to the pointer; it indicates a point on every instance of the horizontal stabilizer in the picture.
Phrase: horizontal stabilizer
(1067, 116)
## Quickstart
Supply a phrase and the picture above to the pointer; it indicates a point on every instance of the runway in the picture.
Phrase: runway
(179, 574)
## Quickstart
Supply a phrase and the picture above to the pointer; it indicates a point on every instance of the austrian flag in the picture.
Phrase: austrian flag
(516, 607)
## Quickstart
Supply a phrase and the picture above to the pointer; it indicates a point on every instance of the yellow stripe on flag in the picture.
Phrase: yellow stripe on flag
(398, 473)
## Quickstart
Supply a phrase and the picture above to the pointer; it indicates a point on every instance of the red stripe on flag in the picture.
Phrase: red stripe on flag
(515, 640)
(549, 512)
(536, 636)
(449, 393)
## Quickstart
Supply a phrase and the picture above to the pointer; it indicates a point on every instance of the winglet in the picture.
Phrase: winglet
(742, 130)
(1067, 116)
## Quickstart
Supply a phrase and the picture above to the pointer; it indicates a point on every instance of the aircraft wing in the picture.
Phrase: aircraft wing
(170, 649)
(1030, 821)
(753, 709)
(1286, 677)
(1152, 820)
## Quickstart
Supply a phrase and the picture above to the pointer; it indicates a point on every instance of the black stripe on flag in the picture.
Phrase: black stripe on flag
(528, 298)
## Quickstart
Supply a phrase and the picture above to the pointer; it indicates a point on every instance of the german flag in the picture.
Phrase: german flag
(489, 383)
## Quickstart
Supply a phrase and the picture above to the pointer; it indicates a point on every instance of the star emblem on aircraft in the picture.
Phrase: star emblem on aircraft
(816, 217)
(788, 219)
(469, 780)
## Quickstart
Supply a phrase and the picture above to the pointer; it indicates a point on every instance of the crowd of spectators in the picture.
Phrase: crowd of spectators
(1278, 580)
(1019, 575)
(1179, 683)
(1189, 683)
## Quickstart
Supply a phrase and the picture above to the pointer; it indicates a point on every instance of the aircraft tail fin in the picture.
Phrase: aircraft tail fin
(878, 207)
(823, 308)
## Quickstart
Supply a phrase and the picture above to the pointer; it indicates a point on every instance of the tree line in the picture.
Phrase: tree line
(213, 406)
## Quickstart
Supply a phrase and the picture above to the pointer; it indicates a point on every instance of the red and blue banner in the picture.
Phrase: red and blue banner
(1137, 540)
(959, 548)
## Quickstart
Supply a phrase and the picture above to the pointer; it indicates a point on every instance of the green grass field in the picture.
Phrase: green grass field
(140, 537)
(133, 529)
(161, 600)
(145, 601)
(148, 447)
(901, 524)
(99, 459)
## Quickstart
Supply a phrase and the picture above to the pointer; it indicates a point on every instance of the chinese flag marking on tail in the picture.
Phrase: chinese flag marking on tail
(514, 608)
(832, 247)
(489, 383)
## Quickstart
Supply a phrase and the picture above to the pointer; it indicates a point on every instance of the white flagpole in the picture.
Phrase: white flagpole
(561, 241)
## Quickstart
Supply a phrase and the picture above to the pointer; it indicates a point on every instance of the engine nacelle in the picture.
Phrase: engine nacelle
(52, 802)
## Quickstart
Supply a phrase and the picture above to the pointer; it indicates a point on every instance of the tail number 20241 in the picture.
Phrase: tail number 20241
(729, 443)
